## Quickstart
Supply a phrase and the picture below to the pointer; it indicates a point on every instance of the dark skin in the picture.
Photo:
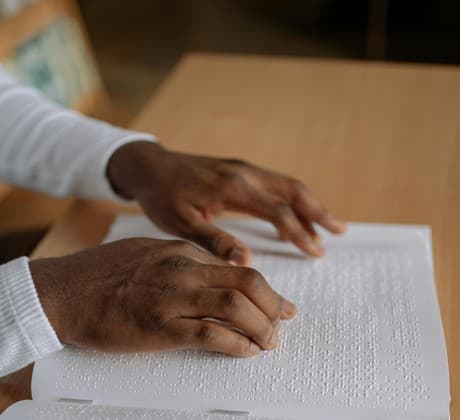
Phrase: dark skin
(182, 194)
(144, 294)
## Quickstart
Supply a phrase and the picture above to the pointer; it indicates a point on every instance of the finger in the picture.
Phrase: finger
(231, 306)
(216, 240)
(253, 285)
(308, 226)
(308, 208)
(208, 335)
(279, 213)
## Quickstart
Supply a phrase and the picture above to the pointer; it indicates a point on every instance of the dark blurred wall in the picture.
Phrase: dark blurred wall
(424, 31)
(138, 41)
(416, 30)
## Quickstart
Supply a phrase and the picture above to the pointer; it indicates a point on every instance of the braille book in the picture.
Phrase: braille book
(367, 343)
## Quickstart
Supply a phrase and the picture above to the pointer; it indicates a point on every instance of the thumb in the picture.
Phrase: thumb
(218, 242)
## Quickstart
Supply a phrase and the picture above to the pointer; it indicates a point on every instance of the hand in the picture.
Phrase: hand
(182, 193)
(146, 295)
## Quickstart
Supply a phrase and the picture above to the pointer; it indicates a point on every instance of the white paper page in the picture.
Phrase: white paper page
(367, 343)
(45, 410)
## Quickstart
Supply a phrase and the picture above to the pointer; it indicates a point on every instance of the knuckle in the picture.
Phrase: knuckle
(200, 299)
(166, 288)
(298, 185)
(231, 300)
(206, 334)
(156, 320)
(174, 262)
(251, 278)
(282, 211)
(231, 181)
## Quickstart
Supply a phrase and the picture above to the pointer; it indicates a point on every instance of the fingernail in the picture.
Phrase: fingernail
(254, 348)
(237, 256)
(288, 308)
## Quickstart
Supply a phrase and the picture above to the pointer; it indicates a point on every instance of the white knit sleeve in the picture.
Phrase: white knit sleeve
(25, 333)
(51, 149)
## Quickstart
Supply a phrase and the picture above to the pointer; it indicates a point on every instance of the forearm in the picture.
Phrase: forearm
(54, 150)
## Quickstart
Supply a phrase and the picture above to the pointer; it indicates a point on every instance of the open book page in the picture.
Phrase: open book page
(367, 342)
(44, 410)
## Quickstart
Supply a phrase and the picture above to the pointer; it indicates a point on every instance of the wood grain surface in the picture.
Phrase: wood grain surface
(376, 142)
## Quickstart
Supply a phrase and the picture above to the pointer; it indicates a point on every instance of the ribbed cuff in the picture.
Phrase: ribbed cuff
(30, 334)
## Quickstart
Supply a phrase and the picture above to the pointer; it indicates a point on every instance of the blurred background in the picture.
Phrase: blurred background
(137, 42)
(106, 57)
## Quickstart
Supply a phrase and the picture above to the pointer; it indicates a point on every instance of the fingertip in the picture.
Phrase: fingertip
(317, 239)
(339, 228)
(335, 226)
(320, 251)
(254, 349)
(250, 350)
(288, 310)
(343, 227)
(313, 249)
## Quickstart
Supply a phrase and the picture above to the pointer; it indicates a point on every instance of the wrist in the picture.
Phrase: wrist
(47, 285)
(130, 164)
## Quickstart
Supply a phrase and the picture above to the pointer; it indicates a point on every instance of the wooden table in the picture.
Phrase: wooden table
(376, 142)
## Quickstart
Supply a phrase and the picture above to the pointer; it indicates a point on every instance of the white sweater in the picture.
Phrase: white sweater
(60, 152)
